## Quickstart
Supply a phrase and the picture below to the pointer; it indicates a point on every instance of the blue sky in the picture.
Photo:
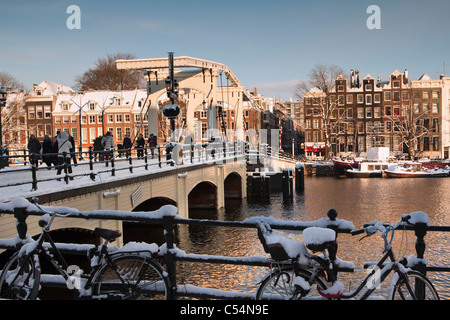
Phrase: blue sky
(267, 44)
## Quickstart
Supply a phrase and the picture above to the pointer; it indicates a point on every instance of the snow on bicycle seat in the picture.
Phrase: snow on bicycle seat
(278, 246)
(109, 235)
(319, 239)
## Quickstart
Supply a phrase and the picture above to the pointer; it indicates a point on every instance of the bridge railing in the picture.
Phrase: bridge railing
(91, 163)
(167, 217)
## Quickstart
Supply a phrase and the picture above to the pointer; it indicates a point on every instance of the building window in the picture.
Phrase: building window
(31, 113)
(66, 119)
(360, 114)
(425, 95)
(83, 120)
(368, 87)
(377, 112)
(349, 113)
(396, 95)
(127, 118)
(111, 118)
(74, 134)
(405, 95)
(387, 110)
(368, 113)
(92, 119)
(73, 119)
(426, 107)
(368, 99)
(435, 143)
(57, 120)
(377, 98)
(349, 99)
(91, 106)
(360, 98)
(435, 107)
(387, 96)
(47, 112)
(435, 94)
(396, 84)
(118, 118)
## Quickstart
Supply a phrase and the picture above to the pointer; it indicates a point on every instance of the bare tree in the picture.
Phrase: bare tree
(104, 75)
(323, 77)
(411, 125)
(10, 82)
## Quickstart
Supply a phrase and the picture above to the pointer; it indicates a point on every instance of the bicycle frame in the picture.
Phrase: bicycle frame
(384, 272)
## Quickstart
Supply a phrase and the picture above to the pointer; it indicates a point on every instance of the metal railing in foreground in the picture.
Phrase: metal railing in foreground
(167, 217)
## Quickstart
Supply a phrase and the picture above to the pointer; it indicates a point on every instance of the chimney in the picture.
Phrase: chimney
(255, 92)
(405, 80)
(352, 75)
(357, 78)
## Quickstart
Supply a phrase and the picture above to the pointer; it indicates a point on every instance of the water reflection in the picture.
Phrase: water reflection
(356, 200)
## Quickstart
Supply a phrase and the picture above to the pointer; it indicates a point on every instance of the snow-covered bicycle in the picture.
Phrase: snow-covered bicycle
(298, 274)
(131, 272)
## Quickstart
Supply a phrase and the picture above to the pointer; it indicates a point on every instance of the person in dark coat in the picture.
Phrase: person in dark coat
(72, 150)
(140, 145)
(152, 142)
(34, 147)
(127, 145)
(49, 150)
(97, 148)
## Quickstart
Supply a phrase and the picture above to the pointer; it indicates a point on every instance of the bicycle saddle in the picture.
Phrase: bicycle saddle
(109, 235)
(319, 239)
(278, 246)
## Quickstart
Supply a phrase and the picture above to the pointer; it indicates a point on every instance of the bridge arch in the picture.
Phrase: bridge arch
(203, 196)
(146, 231)
(233, 186)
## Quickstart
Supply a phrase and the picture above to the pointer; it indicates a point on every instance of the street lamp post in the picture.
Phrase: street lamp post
(3, 94)
(171, 110)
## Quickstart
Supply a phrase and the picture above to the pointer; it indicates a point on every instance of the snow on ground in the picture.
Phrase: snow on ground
(81, 172)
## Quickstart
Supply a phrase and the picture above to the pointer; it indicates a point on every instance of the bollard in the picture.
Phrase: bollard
(287, 184)
(299, 177)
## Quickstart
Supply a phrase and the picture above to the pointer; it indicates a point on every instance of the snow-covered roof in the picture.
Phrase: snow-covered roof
(48, 88)
(425, 77)
(100, 99)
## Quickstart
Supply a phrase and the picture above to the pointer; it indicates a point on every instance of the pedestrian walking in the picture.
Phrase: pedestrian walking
(108, 144)
(64, 156)
(98, 148)
(35, 149)
(127, 145)
(140, 145)
(152, 142)
(49, 151)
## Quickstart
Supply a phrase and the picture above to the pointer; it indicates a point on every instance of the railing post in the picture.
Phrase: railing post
(21, 226)
(33, 162)
(169, 257)
(159, 156)
(113, 169)
(420, 229)
(146, 158)
(130, 161)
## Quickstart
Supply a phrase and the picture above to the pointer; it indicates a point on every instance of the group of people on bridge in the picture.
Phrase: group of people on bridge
(60, 149)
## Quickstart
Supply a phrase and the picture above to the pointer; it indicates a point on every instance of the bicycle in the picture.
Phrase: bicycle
(295, 273)
(126, 273)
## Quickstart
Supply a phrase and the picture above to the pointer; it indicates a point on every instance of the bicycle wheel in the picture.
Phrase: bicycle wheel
(280, 284)
(131, 277)
(20, 278)
(413, 286)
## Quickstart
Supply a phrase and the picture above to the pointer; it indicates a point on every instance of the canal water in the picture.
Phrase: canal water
(356, 200)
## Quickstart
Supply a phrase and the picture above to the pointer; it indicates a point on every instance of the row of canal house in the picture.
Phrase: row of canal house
(51, 107)
(372, 113)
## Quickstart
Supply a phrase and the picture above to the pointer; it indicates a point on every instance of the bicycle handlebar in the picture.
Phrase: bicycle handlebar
(372, 227)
